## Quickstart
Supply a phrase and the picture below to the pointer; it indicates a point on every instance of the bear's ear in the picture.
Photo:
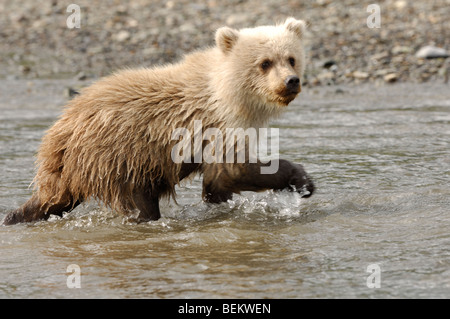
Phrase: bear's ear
(296, 26)
(226, 38)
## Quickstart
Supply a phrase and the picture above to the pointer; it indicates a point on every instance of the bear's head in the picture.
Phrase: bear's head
(264, 64)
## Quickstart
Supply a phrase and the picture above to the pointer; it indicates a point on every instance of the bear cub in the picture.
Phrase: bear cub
(114, 142)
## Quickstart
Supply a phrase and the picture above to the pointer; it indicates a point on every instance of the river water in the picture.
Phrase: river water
(377, 227)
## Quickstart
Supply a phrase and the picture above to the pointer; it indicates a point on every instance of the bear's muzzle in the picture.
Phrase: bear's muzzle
(288, 90)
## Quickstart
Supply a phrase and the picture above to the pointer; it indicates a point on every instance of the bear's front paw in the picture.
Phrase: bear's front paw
(300, 182)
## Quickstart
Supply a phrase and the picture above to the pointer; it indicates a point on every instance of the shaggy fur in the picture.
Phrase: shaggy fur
(113, 141)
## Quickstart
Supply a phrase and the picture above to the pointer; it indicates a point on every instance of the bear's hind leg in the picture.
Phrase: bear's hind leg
(34, 210)
(148, 206)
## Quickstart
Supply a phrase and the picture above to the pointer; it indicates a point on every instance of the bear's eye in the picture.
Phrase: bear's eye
(291, 61)
(266, 64)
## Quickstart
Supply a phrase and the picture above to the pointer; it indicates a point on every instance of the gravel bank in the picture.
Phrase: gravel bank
(36, 42)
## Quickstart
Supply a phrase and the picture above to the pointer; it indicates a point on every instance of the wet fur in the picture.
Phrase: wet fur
(113, 141)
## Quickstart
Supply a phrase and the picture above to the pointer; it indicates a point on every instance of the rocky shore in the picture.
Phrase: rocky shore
(410, 44)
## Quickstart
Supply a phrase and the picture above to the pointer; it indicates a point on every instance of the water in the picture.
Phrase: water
(380, 158)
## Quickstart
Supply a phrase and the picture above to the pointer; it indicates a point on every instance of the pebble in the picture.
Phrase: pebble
(400, 49)
(328, 63)
(70, 92)
(383, 72)
(122, 36)
(380, 56)
(326, 76)
(81, 76)
(390, 77)
(432, 52)
(360, 75)
(236, 19)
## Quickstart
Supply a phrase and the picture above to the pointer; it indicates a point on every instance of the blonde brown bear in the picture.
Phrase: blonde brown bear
(113, 141)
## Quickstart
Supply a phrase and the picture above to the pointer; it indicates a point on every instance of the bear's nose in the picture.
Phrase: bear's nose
(292, 83)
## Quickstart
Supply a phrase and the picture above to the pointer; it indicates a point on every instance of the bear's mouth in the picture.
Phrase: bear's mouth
(286, 97)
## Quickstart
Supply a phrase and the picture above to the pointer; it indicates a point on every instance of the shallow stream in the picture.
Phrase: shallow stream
(380, 158)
